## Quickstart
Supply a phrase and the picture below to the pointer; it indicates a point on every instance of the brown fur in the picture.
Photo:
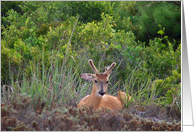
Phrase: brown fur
(102, 77)
(100, 83)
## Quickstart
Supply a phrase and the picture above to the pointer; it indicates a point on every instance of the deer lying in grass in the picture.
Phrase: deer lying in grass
(98, 98)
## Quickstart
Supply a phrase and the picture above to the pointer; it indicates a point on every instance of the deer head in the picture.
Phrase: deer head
(100, 80)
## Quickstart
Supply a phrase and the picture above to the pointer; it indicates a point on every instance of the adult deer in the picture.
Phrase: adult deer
(98, 98)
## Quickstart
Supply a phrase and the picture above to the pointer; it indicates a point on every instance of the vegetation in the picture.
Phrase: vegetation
(21, 116)
(46, 45)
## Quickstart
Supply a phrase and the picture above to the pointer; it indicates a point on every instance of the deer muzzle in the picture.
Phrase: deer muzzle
(101, 92)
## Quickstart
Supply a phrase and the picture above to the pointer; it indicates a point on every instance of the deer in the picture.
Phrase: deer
(98, 97)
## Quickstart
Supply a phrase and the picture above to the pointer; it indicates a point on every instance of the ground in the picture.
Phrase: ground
(24, 116)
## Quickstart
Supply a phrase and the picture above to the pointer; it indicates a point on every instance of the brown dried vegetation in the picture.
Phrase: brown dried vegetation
(23, 116)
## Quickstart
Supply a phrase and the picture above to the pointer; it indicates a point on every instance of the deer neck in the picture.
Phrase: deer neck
(94, 100)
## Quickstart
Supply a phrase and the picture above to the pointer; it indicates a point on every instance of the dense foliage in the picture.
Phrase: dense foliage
(45, 46)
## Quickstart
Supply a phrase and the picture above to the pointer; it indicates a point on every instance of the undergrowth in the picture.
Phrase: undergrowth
(21, 116)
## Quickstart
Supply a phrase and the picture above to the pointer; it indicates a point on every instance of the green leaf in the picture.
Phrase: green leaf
(119, 47)
(160, 32)
(165, 37)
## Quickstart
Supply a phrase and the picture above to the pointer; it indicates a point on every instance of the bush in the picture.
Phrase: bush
(161, 59)
(91, 10)
(125, 18)
(168, 91)
(159, 13)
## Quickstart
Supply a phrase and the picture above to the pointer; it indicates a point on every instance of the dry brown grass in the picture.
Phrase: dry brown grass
(24, 116)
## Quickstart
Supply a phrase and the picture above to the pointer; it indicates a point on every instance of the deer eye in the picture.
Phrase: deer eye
(95, 81)
(107, 82)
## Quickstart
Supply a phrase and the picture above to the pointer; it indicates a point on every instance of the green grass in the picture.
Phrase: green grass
(63, 83)
(67, 77)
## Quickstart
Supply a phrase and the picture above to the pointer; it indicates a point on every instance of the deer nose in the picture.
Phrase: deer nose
(101, 92)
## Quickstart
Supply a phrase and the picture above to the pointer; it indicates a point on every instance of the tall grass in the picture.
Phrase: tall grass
(61, 83)
(136, 86)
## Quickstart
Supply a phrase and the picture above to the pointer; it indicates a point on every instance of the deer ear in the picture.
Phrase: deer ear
(86, 76)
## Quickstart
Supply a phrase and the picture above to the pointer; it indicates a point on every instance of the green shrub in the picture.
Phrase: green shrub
(161, 59)
(168, 91)
(90, 10)
(125, 18)
(154, 13)
(6, 6)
